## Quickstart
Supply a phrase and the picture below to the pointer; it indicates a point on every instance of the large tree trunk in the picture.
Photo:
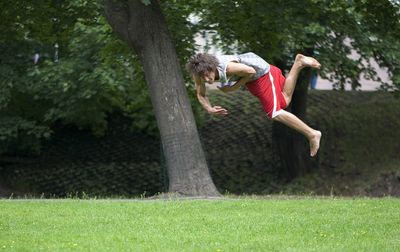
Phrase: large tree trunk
(293, 148)
(144, 28)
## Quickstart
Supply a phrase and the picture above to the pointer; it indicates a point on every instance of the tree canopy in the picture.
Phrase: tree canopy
(332, 30)
(90, 75)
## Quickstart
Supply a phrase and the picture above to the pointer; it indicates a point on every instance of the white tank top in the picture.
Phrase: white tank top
(249, 59)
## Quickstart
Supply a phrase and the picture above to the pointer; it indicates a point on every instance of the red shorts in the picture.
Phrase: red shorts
(268, 89)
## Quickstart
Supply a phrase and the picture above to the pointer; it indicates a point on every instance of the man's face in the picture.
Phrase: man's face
(209, 77)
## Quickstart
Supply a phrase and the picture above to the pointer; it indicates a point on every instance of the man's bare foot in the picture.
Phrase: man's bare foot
(314, 143)
(305, 61)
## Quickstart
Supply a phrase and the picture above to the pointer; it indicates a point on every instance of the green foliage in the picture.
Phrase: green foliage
(74, 161)
(95, 75)
(39, 95)
(279, 29)
(146, 2)
(18, 135)
(358, 156)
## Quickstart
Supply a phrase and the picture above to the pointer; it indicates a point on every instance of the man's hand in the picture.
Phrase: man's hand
(217, 110)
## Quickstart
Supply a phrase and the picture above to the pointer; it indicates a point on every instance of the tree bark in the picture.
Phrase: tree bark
(144, 28)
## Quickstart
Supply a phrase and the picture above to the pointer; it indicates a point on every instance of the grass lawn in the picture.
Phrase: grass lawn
(246, 224)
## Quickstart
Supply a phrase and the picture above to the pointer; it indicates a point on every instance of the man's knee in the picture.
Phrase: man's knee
(281, 116)
(277, 118)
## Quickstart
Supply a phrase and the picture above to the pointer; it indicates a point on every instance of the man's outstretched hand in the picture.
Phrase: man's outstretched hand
(217, 110)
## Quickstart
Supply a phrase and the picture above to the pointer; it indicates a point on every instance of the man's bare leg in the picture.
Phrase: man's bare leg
(300, 62)
(313, 136)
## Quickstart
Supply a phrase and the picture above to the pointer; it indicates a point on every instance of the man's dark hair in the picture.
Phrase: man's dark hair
(201, 63)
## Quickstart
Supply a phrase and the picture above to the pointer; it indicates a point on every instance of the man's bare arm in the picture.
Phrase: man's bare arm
(245, 72)
(201, 93)
(202, 98)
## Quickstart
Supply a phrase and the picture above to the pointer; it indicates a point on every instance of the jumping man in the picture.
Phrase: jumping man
(263, 80)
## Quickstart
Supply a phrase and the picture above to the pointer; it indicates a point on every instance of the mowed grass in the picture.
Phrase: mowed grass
(248, 224)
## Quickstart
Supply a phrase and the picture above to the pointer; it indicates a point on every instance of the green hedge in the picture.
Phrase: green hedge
(359, 152)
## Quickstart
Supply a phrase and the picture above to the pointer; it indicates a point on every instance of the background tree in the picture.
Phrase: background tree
(329, 30)
(94, 75)
(142, 25)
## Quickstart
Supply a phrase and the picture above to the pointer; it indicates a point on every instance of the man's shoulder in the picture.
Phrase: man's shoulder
(249, 55)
